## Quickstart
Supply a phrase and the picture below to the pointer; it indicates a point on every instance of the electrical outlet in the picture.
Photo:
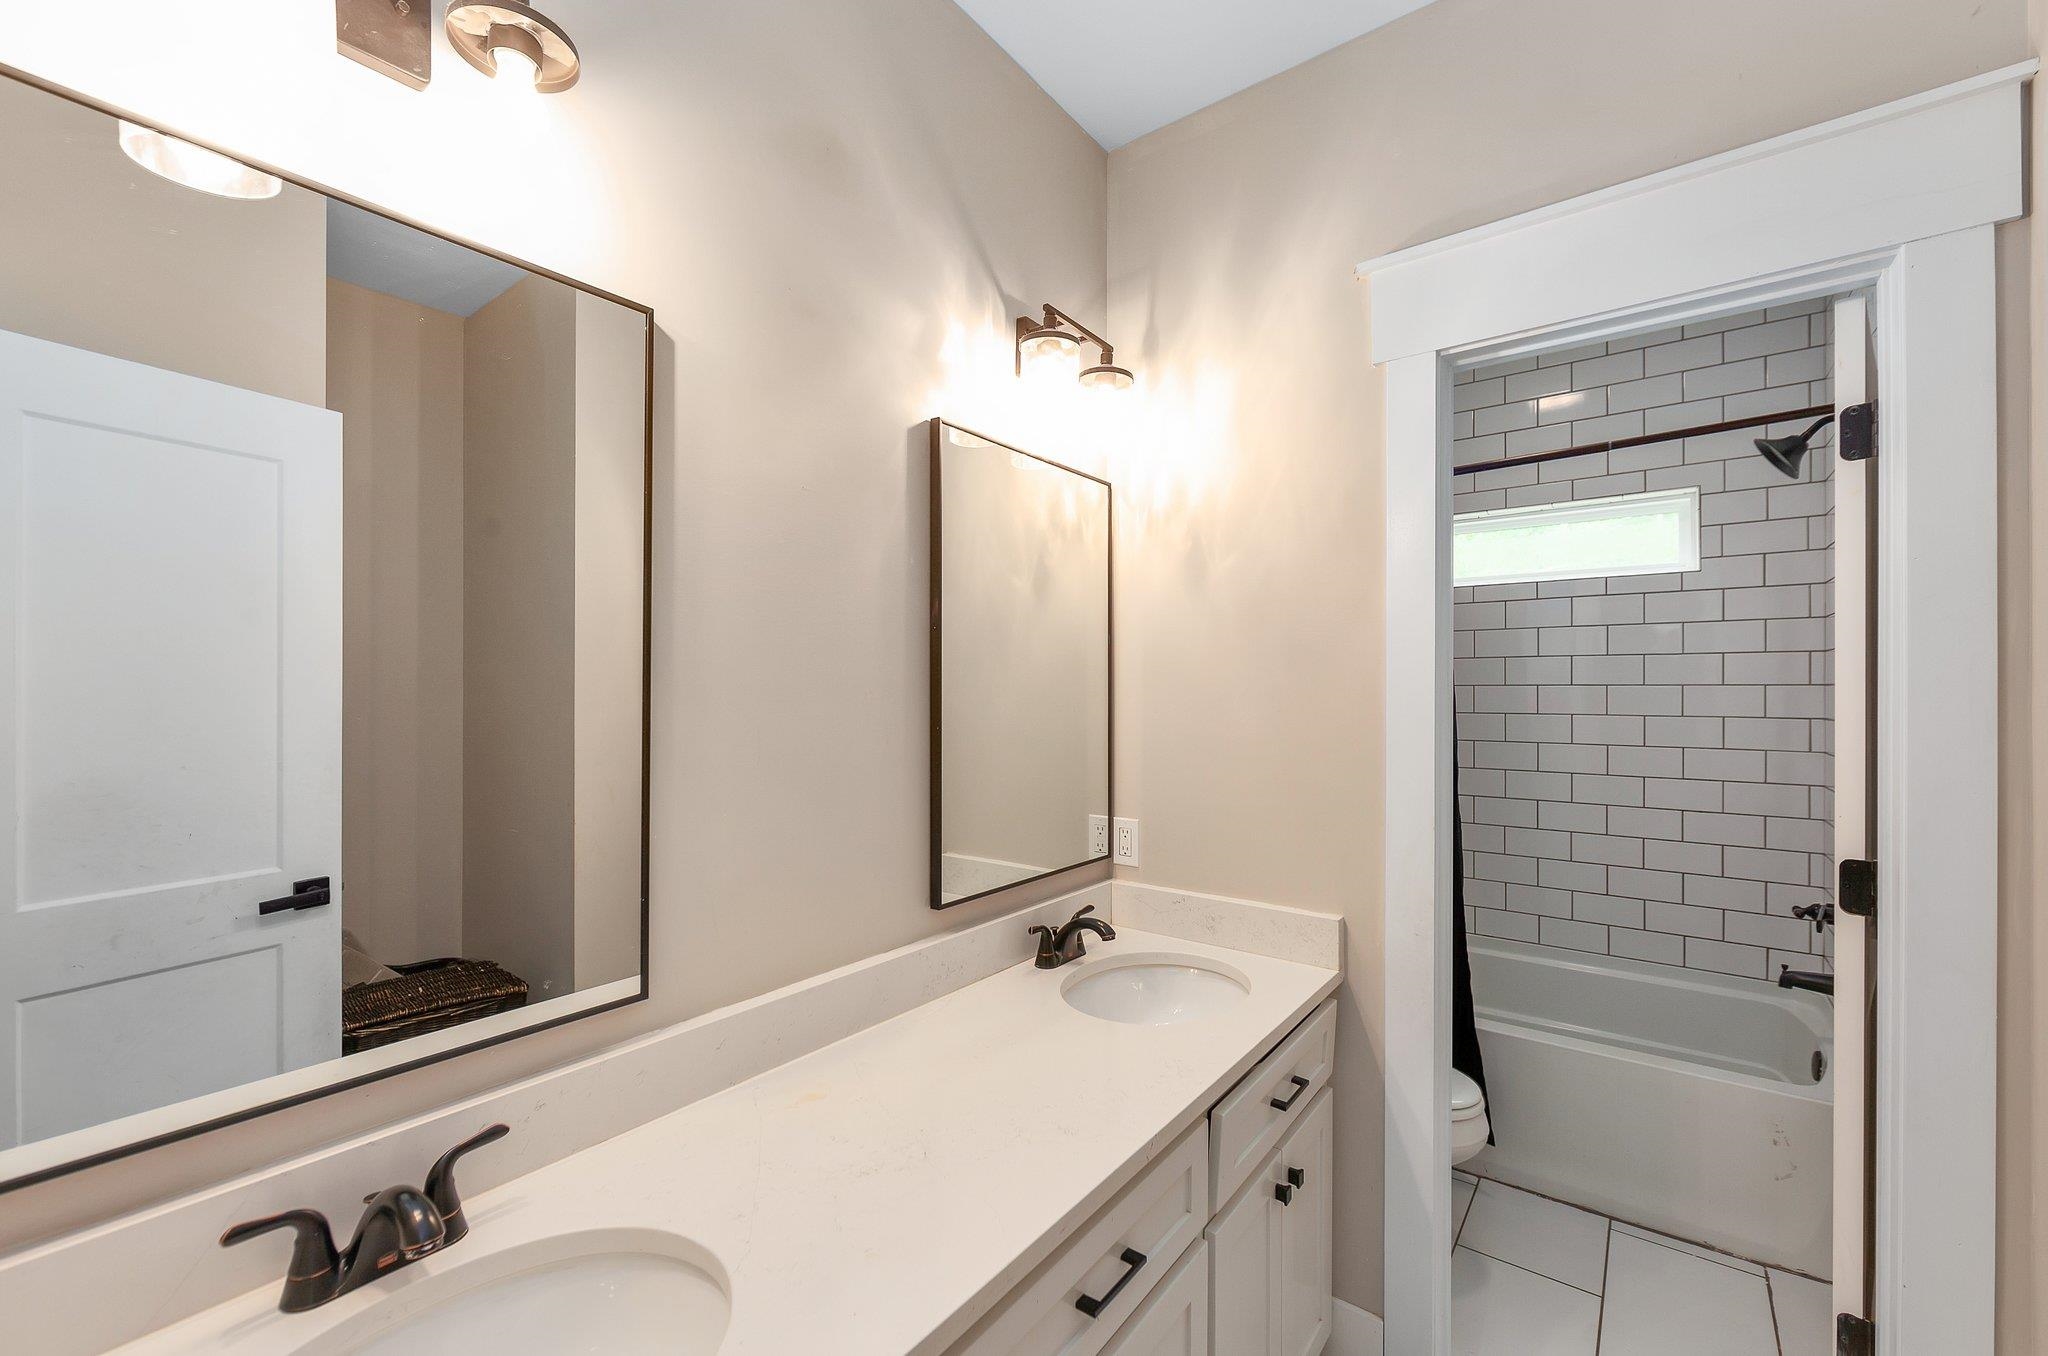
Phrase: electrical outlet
(1098, 836)
(1128, 841)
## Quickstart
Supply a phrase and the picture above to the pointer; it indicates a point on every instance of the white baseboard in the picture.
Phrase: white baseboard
(1354, 1331)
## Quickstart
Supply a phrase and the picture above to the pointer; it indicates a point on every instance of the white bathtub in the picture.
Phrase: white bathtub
(1681, 1101)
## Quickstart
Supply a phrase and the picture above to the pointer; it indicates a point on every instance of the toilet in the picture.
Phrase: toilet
(1469, 1128)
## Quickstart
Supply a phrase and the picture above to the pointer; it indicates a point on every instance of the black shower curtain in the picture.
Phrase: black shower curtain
(1465, 1055)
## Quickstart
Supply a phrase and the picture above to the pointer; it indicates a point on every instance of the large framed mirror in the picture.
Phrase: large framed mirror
(1022, 675)
(324, 565)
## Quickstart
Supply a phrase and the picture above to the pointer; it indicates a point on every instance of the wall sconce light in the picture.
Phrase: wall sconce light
(1057, 339)
(183, 163)
(510, 40)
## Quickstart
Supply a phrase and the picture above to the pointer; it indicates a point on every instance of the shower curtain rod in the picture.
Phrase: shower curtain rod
(1587, 449)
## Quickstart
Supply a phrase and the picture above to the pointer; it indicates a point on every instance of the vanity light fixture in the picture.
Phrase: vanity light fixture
(511, 40)
(1058, 338)
(194, 166)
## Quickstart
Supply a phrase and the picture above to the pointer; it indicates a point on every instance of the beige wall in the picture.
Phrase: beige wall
(818, 199)
(394, 371)
(98, 253)
(1249, 657)
(519, 634)
(611, 453)
(2023, 725)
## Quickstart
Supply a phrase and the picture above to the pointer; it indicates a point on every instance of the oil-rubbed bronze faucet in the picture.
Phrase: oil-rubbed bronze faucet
(1058, 946)
(401, 1225)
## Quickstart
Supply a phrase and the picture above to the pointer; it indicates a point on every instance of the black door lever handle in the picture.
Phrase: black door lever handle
(310, 893)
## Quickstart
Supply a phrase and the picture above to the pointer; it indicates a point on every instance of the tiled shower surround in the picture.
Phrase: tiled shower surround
(1645, 762)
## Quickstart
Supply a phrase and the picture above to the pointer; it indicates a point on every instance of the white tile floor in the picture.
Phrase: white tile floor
(1537, 1277)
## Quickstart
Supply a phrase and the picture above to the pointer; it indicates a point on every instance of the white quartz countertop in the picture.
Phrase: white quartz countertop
(881, 1194)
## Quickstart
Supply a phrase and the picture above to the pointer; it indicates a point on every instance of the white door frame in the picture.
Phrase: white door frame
(1900, 199)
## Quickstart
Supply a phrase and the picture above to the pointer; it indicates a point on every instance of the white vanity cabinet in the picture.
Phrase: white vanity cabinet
(1219, 1247)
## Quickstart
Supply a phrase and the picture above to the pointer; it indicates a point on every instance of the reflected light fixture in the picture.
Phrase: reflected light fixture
(1057, 337)
(512, 41)
(194, 166)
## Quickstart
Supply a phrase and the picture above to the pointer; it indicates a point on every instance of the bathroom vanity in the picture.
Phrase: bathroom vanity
(996, 1170)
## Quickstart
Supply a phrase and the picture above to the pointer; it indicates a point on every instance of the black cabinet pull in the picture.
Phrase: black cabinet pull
(1297, 1176)
(1284, 1194)
(1287, 1103)
(1091, 1306)
(311, 893)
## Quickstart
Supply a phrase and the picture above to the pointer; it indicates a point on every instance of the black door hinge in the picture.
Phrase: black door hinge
(1856, 887)
(1855, 1336)
(1859, 431)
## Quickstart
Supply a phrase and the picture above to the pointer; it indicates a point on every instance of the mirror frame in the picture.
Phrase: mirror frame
(264, 1107)
(938, 426)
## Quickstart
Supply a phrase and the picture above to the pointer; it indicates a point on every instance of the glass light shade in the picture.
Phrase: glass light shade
(1107, 378)
(194, 166)
(1049, 349)
(515, 67)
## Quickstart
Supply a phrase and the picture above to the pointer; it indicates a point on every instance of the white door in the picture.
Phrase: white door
(1174, 1319)
(1855, 383)
(1302, 1236)
(170, 659)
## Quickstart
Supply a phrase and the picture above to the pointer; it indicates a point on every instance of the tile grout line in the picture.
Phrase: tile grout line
(1613, 1220)
(1606, 1265)
(1481, 1252)
(1771, 1303)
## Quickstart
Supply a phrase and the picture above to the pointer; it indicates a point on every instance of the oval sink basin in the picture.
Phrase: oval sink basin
(1155, 990)
(610, 1293)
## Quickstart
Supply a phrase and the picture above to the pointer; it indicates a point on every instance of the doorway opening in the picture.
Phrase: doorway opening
(1644, 594)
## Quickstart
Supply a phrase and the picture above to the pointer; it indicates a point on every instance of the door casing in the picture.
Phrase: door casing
(1904, 198)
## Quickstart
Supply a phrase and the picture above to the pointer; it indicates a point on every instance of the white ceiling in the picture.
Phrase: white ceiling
(383, 255)
(1125, 67)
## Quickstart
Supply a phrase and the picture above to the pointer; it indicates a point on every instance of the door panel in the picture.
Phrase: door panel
(1240, 1250)
(1302, 1236)
(1855, 792)
(170, 648)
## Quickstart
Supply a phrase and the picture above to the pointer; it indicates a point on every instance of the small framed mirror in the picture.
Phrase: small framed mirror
(1021, 666)
(323, 559)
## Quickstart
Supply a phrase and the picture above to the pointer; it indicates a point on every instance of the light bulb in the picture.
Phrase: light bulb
(194, 166)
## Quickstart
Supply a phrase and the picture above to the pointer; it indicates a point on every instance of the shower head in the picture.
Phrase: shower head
(1788, 452)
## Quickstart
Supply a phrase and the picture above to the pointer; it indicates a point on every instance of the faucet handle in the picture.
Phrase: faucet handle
(1082, 912)
(311, 1276)
(1048, 954)
(440, 1187)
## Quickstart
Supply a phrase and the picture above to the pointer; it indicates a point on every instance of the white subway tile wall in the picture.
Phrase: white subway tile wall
(1646, 763)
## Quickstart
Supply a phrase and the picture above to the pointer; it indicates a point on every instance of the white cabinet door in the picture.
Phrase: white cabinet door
(1240, 1271)
(170, 735)
(1174, 1319)
(1269, 1250)
(1301, 1253)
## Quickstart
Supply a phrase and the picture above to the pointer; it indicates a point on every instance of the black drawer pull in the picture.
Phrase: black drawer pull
(312, 893)
(1297, 1176)
(1284, 1194)
(1287, 1103)
(1091, 1306)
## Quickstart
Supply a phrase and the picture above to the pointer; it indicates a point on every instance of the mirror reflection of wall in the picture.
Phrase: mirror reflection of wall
(1023, 665)
(325, 540)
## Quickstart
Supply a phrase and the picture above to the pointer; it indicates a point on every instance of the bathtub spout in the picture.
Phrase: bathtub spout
(1788, 978)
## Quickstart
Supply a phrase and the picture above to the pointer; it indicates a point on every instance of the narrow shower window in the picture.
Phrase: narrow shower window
(1654, 533)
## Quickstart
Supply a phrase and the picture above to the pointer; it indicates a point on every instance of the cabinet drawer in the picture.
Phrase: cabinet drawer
(1247, 1123)
(1120, 1256)
(1174, 1319)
